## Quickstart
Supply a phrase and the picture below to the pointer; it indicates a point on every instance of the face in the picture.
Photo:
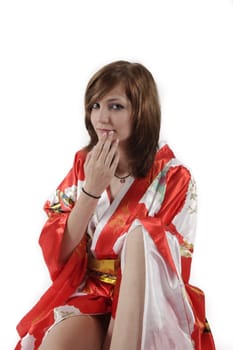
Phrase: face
(113, 113)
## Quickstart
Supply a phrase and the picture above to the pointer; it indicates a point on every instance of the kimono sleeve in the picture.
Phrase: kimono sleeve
(179, 213)
(58, 208)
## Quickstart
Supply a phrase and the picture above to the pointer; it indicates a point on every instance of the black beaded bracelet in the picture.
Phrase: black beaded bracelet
(90, 195)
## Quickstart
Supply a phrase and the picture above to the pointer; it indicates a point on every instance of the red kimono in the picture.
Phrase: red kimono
(164, 205)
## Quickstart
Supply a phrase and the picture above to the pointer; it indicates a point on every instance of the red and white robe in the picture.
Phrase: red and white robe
(163, 204)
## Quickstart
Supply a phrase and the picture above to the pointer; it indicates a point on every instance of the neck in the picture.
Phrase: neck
(123, 165)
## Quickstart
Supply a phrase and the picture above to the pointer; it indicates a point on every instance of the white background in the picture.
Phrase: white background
(49, 50)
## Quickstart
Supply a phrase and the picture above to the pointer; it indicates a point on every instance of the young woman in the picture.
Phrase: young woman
(119, 237)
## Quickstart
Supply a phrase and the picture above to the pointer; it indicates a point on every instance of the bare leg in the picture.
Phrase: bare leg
(108, 336)
(127, 328)
(75, 333)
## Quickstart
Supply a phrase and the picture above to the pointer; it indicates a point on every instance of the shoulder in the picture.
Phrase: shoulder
(80, 155)
(167, 162)
(176, 184)
(78, 163)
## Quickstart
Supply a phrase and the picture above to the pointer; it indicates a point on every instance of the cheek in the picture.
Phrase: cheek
(126, 129)
(92, 119)
(128, 125)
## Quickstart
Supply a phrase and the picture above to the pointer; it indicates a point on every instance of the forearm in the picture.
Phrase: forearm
(77, 224)
(100, 166)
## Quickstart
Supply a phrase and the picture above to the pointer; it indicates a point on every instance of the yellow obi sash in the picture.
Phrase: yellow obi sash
(105, 269)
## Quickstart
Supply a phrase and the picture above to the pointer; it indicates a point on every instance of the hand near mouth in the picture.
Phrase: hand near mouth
(101, 164)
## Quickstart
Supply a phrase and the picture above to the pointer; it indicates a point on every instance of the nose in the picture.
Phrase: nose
(103, 115)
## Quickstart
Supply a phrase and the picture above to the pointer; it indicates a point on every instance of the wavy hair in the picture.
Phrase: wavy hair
(141, 90)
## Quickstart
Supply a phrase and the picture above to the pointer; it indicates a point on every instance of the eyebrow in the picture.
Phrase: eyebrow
(113, 99)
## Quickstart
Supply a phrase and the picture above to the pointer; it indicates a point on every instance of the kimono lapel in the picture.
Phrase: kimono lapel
(127, 207)
(105, 210)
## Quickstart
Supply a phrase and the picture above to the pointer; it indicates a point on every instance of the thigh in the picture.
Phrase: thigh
(75, 333)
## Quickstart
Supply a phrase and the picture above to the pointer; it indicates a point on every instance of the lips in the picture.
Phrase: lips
(104, 130)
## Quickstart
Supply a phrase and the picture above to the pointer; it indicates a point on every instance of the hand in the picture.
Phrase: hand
(101, 164)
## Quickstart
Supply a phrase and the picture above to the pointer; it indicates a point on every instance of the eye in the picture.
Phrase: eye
(95, 106)
(116, 106)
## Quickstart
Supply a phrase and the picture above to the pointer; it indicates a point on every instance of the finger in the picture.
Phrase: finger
(115, 162)
(111, 154)
(106, 148)
(88, 157)
(87, 160)
(99, 146)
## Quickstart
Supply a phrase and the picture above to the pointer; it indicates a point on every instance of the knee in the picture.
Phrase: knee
(133, 264)
(134, 249)
(135, 238)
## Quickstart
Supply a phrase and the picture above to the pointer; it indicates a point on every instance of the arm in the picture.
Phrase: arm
(100, 166)
(75, 228)
(179, 213)
(69, 216)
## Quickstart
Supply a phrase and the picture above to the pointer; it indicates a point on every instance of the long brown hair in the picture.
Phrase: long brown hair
(141, 90)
